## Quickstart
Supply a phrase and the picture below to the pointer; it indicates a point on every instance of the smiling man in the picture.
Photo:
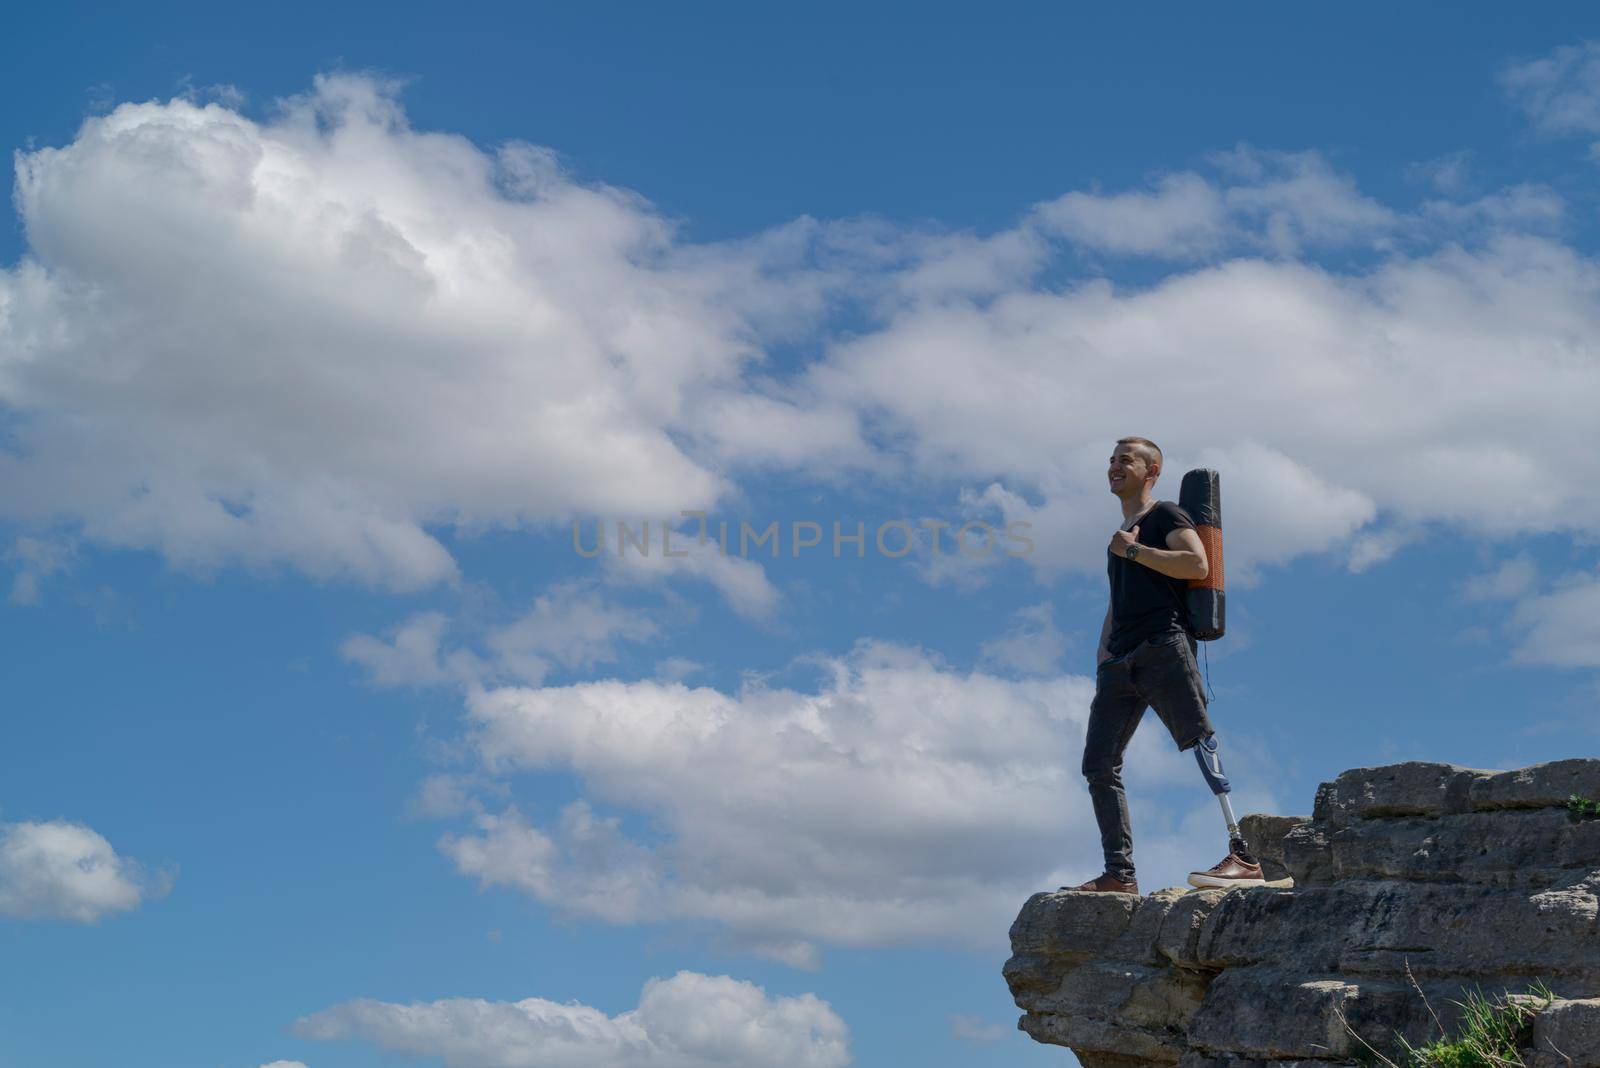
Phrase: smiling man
(1146, 659)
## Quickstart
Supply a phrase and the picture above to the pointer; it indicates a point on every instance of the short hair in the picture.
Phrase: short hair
(1149, 449)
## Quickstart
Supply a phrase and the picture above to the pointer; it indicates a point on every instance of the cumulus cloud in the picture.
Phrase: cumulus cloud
(1032, 644)
(697, 553)
(566, 628)
(58, 870)
(1277, 202)
(445, 794)
(1511, 580)
(35, 560)
(1450, 173)
(1550, 620)
(1422, 390)
(686, 1021)
(322, 339)
(1559, 91)
(1372, 547)
(974, 1029)
(1560, 626)
(1527, 207)
(900, 802)
(412, 655)
(1292, 202)
(1183, 215)
(327, 339)
(569, 627)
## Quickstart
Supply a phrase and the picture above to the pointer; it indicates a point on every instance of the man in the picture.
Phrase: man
(1146, 659)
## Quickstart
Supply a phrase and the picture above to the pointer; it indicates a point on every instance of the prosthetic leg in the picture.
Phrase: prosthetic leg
(1210, 760)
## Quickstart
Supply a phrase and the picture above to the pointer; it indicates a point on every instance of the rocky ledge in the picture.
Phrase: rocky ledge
(1414, 885)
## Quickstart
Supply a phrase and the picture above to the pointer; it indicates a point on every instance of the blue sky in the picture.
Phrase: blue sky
(318, 330)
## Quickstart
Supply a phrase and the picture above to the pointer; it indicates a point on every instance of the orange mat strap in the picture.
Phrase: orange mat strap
(1211, 538)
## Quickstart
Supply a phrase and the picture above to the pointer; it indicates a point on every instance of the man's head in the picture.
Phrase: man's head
(1135, 464)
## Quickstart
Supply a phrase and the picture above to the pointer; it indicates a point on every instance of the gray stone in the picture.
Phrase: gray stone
(1567, 1035)
(1539, 786)
(1265, 834)
(1116, 1060)
(1056, 932)
(1071, 923)
(1280, 1014)
(1088, 1035)
(1179, 939)
(1414, 885)
(1149, 998)
(1513, 849)
(1139, 943)
(1308, 854)
(1197, 1059)
(1377, 927)
(1415, 788)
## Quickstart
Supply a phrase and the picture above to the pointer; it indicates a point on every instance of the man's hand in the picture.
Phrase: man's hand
(1183, 558)
(1122, 539)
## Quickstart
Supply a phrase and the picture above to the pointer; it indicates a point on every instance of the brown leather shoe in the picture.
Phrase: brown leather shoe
(1232, 870)
(1107, 884)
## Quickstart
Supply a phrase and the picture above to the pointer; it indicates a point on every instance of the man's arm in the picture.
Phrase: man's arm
(1104, 652)
(1184, 557)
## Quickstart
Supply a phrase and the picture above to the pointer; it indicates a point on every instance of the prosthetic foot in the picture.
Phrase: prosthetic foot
(1238, 868)
(1231, 870)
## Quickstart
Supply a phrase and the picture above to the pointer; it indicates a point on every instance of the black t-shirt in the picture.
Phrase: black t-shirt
(1144, 602)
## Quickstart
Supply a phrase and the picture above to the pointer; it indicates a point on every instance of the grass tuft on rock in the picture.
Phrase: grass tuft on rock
(1491, 1034)
(1583, 808)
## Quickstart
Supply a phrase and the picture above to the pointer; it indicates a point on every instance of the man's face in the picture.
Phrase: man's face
(1128, 472)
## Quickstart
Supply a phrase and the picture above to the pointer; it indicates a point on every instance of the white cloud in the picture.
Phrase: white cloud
(1031, 645)
(35, 560)
(64, 871)
(902, 802)
(1290, 202)
(741, 581)
(567, 628)
(966, 550)
(1560, 627)
(1372, 547)
(1421, 391)
(318, 339)
(1276, 202)
(412, 654)
(1513, 579)
(1560, 91)
(1283, 510)
(1527, 207)
(445, 795)
(1183, 216)
(677, 669)
(974, 1029)
(964, 265)
(324, 339)
(284, 1064)
(782, 426)
(686, 1021)
(1450, 174)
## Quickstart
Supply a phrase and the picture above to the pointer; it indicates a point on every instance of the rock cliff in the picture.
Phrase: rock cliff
(1413, 886)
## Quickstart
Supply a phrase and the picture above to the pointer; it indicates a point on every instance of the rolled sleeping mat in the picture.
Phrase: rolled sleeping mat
(1201, 496)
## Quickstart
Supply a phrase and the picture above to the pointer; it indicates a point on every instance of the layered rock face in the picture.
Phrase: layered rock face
(1413, 885)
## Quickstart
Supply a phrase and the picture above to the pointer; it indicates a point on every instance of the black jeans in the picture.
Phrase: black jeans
(1158, 673)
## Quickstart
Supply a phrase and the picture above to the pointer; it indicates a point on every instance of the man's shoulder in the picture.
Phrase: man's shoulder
(1172, 514)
